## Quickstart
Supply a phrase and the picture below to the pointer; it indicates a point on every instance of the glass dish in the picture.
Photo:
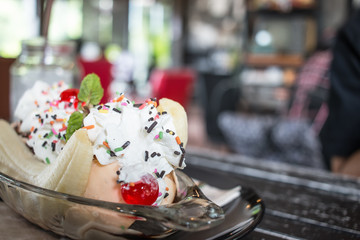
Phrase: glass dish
(83, 218)
(242, 215)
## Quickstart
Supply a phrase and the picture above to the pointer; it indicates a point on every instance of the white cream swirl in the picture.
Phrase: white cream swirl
(44, 119)
(139, 138)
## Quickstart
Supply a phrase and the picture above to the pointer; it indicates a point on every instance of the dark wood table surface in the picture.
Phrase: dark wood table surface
(301, 203)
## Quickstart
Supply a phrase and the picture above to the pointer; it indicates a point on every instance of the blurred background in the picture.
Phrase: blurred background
(237, 66)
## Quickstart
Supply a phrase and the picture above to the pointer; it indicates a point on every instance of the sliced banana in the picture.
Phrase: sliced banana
(16, 160)
(179, 117)
(68, 174)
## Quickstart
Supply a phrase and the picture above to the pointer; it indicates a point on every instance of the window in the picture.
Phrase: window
(65, 23)
(18, 21)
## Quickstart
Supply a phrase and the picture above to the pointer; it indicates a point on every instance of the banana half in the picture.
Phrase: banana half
(68, 174)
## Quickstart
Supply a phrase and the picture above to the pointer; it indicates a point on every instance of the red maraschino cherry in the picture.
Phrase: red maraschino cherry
(70, 95)
(143, 192)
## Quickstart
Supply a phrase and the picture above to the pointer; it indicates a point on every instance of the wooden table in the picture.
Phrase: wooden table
(301, 203)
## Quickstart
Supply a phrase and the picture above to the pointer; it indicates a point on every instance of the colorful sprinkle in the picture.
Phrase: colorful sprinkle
(54, 104)
(49, 135)
(119, 99)
(142, 106)
(153, 103)
(118, 149)
(116, 110)
(160, 175)
(106, 144)
(89, 127)
(47, 160)
(181, 160)
(103, 111)
(53, 145)
(170, 132)
(112, 154)
(146, 156)
(182, 149)
(137, 105)
(63, 128)
(178, 141)
(126, 144)
(53, 131)
(151, 127)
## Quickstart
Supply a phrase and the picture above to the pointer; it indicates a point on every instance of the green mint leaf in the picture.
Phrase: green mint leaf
(75, 122)
(90, 89)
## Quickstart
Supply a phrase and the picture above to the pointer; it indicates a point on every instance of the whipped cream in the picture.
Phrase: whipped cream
(142, 140)
(39, 96)
(44, 118)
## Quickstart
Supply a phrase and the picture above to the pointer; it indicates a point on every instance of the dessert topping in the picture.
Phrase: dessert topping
(70, 95)
(142, 192)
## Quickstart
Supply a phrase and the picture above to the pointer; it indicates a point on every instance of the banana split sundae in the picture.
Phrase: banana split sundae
(128, 150)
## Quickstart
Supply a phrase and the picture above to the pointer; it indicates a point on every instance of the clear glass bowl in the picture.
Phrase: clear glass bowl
(83, 218)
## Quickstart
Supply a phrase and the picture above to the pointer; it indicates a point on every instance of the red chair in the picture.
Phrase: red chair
(102, 68)
(175, 84)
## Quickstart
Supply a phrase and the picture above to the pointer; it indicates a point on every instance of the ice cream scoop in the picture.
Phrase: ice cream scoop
(142, 141)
